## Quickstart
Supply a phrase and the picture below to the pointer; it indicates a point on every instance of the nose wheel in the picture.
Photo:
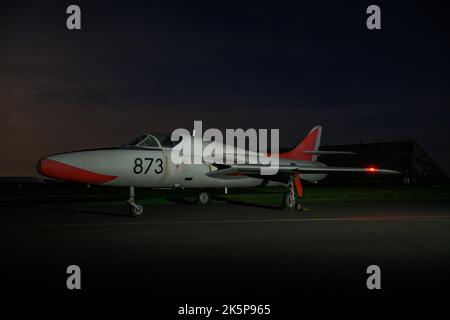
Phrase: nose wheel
(136, 210)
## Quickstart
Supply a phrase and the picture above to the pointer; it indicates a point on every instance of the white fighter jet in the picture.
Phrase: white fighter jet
(147, 162)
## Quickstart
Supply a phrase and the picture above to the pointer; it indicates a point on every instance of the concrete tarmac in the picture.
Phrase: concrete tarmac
(228, 251)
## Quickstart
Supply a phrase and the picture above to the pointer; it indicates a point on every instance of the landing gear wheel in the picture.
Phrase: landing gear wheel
(289, 201)
(136, 210)
(203, 197)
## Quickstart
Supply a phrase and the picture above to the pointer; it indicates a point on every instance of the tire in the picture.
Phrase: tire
(203, 197)
(136, 211)
(288, 203)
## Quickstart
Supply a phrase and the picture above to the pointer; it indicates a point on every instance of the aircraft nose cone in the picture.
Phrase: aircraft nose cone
(39, 166)
(46, 168)
(56, 169)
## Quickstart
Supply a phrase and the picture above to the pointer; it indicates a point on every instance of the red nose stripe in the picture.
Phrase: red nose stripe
(61, 171)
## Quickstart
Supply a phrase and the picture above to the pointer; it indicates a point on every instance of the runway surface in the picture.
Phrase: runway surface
(227, 251)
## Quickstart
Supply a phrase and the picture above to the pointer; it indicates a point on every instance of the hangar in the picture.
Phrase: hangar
(408, 157)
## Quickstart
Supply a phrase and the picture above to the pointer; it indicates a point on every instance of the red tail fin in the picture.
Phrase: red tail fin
(310, 143)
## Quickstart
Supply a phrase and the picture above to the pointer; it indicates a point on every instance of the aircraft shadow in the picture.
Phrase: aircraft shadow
(228, 201)
(99, 213)
(94, 212)
(247, 204)
(181, 201)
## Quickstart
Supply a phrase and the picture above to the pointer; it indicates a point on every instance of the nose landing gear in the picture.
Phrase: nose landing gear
(136, 210)
(291, 199)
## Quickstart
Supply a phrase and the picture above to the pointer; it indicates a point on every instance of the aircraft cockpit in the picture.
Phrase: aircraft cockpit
(153, 140)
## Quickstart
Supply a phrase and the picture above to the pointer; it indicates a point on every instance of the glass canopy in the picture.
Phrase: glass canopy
(153, 140)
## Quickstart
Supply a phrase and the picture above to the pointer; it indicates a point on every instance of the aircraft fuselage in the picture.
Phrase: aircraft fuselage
(140, 167)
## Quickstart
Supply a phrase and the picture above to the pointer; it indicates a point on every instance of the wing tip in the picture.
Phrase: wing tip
(383, 171)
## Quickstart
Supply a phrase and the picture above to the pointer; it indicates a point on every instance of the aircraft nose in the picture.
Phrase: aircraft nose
(62, 167)
(46, 168)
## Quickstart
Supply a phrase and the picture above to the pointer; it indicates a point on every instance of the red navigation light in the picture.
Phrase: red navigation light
(371, 169)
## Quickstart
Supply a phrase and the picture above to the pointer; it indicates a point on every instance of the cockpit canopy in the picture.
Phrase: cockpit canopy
(153, 140)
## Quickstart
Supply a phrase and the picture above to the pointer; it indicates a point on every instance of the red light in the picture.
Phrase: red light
(371, 169)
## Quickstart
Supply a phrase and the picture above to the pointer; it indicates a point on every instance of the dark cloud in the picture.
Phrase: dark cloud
(140, 66)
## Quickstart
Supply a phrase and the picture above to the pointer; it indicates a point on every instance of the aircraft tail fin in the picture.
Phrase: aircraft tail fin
(307, 148)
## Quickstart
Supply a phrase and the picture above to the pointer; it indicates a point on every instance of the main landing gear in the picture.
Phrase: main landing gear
(203, 197)
(291, 199)
(136, 210)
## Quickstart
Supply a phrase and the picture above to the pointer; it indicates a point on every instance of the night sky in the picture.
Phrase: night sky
(143, 66)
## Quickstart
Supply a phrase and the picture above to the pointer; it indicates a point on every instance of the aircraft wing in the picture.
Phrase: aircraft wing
(254, 170)
(320, 153)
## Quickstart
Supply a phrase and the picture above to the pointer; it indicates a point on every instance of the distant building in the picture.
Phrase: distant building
(415, 165)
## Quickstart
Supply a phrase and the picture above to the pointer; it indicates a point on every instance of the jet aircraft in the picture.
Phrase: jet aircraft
(147, 162)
